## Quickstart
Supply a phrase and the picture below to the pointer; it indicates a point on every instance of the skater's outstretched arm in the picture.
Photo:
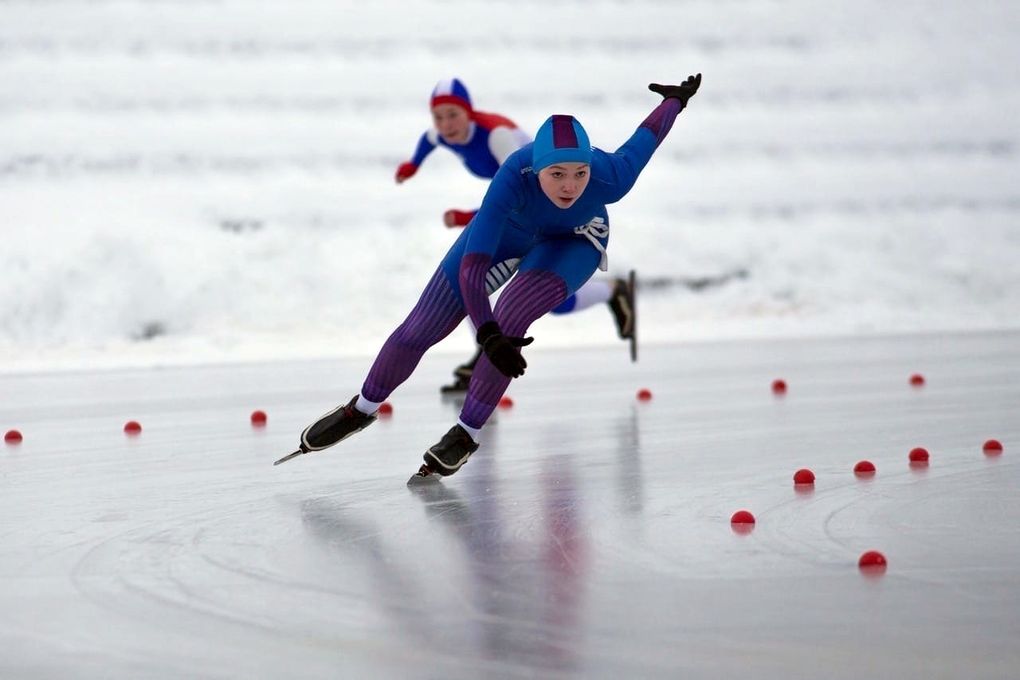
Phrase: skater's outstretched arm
(408, 168)
(630, 159)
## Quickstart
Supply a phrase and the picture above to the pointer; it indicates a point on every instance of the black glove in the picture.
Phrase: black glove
(683, 92)
(502, 350)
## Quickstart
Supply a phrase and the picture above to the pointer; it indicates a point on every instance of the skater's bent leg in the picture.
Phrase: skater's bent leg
(526, 298)
(437, 313)
(590, 294)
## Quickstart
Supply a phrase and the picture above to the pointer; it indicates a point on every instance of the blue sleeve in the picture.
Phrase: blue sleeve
(424, 149)
(504, 195)
(630, 159)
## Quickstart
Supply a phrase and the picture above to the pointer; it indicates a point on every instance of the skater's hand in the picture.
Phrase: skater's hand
(406, 171)
(503, 351)
(683, 92)
(458, 218)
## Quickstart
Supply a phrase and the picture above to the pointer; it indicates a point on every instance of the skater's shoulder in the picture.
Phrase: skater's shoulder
(491, 121)
(518, 164)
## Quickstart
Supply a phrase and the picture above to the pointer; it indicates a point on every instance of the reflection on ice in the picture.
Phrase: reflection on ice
(514, 595)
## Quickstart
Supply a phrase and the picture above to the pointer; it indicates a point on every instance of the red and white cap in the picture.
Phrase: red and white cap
(451, 91)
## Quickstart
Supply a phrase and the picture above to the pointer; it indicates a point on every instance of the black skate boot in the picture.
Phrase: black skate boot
(462, 375)
(622, 305)
(625, 312)
(450, 453)
(335, 426)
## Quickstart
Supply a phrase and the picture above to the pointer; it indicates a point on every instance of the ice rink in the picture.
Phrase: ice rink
(589, 537)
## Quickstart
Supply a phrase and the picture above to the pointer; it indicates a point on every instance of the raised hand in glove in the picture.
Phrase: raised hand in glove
(503, 350)
(683, 92)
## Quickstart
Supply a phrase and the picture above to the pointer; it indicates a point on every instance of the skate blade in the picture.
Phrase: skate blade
(289, 456)
(454, 399)
(633, 310)
(424, 476)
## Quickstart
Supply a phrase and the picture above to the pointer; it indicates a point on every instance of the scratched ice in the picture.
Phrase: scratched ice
(588, 538)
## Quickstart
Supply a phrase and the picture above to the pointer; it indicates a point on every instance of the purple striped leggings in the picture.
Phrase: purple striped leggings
(528, 296)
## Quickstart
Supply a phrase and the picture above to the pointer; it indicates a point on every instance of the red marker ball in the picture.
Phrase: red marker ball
(386, 409)
(917, 380)
(12, 437)
(864, 468)
(918, 455)
(506, 402)
(872, 560)
(258, 418)
(644, 394)
(778, 386)
(742, 517)
(132, 427)
(803, 476)
(992, 447)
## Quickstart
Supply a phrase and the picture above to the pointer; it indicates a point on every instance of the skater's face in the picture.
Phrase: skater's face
(564, 183)
(452, 123)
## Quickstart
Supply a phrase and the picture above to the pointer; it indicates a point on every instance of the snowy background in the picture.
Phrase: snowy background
(202, 180)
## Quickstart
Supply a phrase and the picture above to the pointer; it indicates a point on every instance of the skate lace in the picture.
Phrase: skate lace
(593, 231)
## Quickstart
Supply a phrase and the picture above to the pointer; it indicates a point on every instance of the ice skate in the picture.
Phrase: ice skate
(625, 311)
(449, 454)
(332, 428)
(462, 376)
(460, 383)
(335, 426)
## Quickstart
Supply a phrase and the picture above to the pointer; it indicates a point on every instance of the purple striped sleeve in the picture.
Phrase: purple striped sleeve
(660, 121)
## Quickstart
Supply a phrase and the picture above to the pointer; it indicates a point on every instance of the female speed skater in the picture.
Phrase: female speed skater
(545, 214)
(483, 141)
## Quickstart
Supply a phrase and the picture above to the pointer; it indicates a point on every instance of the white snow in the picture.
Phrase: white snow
(186, 181)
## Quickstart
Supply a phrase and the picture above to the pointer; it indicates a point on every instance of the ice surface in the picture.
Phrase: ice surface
(589, 537)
